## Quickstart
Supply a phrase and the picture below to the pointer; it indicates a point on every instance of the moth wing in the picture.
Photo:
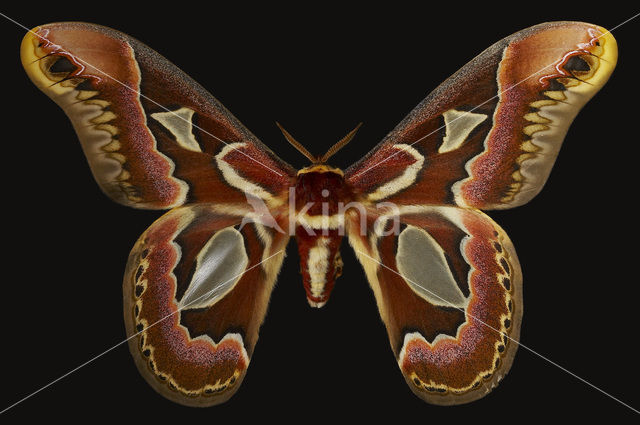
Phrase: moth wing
(449, 289)
(489, 135)
(153, 137)
(196, 290)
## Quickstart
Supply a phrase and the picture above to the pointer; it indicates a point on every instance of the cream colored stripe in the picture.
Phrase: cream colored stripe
(318, 265)
(403, 181)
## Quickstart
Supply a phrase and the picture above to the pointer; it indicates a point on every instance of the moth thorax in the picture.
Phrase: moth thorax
(320, 190)
(320, 263)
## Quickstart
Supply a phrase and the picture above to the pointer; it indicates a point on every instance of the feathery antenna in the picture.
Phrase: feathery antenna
(341, 144)
(332, 150)
(297, 144)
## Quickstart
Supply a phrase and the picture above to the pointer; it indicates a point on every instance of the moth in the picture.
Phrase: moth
(445, 276)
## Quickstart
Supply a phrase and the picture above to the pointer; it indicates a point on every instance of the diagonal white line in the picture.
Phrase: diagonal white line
(505, 335)
(476, 107)
(138, 93)
(132, 336)
(622, 23)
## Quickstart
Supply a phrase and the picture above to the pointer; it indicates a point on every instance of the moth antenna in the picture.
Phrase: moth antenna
(342, 143)
(297, 144)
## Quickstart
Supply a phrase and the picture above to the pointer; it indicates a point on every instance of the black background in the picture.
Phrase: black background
(318, 69)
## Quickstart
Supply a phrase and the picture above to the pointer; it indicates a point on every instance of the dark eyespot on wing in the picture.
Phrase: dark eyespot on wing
(85, 85)
(555, 85)
(576, 63)
(506, 282)
(62, 65)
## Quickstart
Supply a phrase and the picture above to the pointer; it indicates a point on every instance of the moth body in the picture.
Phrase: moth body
(321, 197)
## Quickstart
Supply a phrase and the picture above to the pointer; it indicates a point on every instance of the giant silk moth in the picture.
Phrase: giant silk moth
(445, 276)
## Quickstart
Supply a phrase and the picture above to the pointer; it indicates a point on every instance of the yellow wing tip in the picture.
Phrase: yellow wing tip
(30, 58)
(603, 46)
(608, 57)
(28, 47)
(35, 62)
(610, 46)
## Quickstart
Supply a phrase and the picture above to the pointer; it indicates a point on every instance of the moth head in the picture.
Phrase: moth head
(319, 160)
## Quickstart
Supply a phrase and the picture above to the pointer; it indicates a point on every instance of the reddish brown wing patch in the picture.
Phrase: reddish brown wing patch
(392, 159)
(471, 364)
(449, 354)
(151, 134)
(491, 132)
(195, 356)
